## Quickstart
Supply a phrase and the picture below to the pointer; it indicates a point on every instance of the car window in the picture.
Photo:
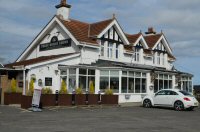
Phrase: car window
(173, 93)
(185, 93)
(161, 93)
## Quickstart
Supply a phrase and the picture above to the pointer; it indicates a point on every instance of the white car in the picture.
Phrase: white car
(174, 98)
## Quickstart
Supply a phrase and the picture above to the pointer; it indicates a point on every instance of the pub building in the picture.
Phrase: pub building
(132, 65)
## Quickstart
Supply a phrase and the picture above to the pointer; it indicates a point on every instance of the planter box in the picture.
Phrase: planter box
(80, 99)
(93, 99)
(109, 99)
(48, 100)
(26, 102)
(64, 99)
(12, 98)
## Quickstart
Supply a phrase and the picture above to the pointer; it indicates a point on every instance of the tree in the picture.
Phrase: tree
(63, 89)
(13, 85)
(91, 88)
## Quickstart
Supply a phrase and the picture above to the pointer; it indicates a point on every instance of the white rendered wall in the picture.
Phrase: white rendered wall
(48, 70)
(61, 36)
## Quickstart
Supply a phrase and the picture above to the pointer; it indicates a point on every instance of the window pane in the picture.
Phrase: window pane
(114, 84)
(165, 76)
(104, 83)
(72, 71)
(170, 84)
(91, 82)
(137, 85)
(138, 74)
(155, 85)
(170, 76)
(83, 71)
(166, 84)
(131, 85)
(114, 73)
(131, 74)
(143, 85)
(190, 86)
(160, 84)
(91, 72)
(72, 83)
(124, 85)
(143, 74)
(104, 73)
(82, 82)
(160, 76)
(124, 73)
(63, 72)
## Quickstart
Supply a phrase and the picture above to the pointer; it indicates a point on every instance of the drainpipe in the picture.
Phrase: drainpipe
(24, 81)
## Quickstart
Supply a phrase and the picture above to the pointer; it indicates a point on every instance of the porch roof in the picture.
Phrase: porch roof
(113, 64)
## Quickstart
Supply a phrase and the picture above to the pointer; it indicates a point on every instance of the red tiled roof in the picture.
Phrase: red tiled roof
(37, 60)
(85, 32)
(97, 28)
(133, 38)
(152, 39)
(128, 48)
(148, 51)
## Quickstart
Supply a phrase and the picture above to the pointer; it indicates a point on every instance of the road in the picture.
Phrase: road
(99, 119)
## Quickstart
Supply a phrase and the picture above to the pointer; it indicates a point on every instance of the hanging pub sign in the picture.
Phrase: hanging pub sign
(55, 44)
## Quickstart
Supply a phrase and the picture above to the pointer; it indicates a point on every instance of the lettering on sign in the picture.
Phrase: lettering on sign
(55, 44)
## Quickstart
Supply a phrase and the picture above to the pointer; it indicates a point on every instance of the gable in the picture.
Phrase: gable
(42, 38)
(162, 45)
(114, 32)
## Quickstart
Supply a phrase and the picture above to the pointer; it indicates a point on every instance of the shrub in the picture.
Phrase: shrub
(31, 87)
(108, 91)
(13, 85)
(63, 89)
(91, 88)
(79, 91)
(47, 90)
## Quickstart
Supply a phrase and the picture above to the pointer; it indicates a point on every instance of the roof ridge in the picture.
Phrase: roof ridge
(101, 21)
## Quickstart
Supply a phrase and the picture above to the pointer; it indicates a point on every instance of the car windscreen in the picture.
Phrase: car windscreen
(185, 93)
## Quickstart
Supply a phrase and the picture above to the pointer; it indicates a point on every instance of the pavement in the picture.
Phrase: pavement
(98, 119)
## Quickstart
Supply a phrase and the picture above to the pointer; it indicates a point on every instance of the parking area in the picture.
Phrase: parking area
(98, 119)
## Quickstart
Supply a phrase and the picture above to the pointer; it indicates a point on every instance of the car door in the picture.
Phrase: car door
(171, 97)
(160, 98)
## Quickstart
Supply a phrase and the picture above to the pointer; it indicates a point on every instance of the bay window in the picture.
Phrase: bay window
(163, 81)
(133, 82)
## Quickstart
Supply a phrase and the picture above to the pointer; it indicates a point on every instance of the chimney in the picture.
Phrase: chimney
(63, 10)
(150, 31)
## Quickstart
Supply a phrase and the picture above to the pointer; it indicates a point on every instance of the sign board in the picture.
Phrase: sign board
(55, 44)
(36, 97)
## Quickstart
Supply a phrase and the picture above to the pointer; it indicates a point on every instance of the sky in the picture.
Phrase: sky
(22, 20)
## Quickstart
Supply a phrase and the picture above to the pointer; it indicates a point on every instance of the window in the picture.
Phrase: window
(86, 78)
(72, 79)
(158, 58)
(186, 83)
(163, 81)
(109, 79)
(110, 50)
(117, 51)
(102, 48)
(137, 54)
(48, 81)
(133, 82)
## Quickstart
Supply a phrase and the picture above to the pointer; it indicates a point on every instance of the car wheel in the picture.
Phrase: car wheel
(147, 103)
(178, 106)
